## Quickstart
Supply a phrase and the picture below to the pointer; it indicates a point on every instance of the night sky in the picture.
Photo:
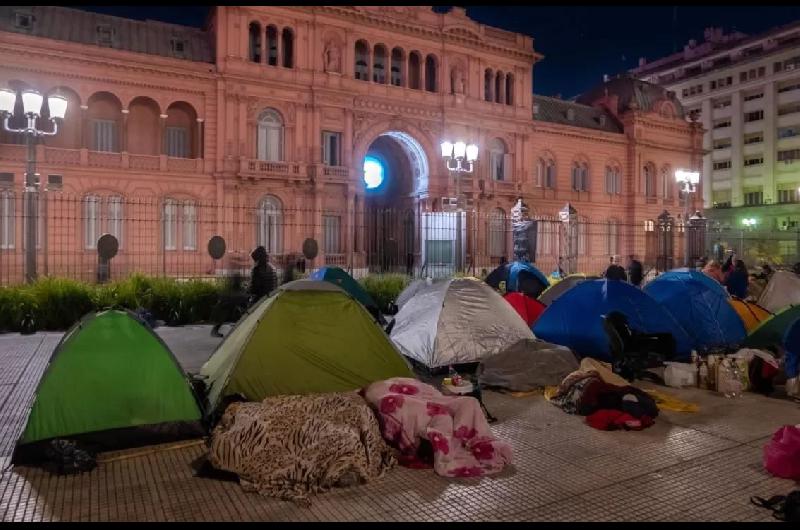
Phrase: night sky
(580, 43)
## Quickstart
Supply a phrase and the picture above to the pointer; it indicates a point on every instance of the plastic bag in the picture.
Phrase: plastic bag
(782, 454)
(729, 380)
(680, 374)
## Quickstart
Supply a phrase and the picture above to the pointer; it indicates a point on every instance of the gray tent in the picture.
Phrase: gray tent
(554, 291)
(528, 365)
(456, 321)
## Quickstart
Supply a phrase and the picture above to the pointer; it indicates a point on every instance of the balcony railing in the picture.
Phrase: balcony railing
(145, 162)
(104, 159)
(263, 168)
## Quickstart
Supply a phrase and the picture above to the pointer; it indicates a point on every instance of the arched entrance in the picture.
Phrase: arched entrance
(395, 167)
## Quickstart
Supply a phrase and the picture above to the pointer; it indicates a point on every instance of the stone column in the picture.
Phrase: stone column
(279, 46)
(123, 133)
(84, 127)
(705, 120)
(770, 123)
(198, 149)
(737, 162)
(347, 140)
(162, 141)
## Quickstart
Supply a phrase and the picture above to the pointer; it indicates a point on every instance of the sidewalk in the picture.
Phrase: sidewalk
(688, 467)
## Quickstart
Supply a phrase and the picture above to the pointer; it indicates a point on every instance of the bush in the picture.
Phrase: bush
(384, 288)
(59, 302)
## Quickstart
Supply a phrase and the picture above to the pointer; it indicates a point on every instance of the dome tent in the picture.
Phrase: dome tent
(519, 276)
(111, 383)
(574, 319)
(456, 321)
(308, 337)
(700, 305)
(530, 309)
(751, 313)
(557, 289)
(782, 290)
(770, 332)
(338, 276)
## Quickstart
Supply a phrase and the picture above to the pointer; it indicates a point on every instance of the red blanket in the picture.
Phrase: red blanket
(463, 444)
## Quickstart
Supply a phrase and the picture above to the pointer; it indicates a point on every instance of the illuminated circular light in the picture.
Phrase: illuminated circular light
(373, 172)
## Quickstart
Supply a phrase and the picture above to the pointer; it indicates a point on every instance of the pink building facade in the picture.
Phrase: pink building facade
(257, 129)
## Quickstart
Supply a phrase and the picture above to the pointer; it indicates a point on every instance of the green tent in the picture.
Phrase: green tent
(111, 371)
(338, 276)
(770, 332)
(308, 337)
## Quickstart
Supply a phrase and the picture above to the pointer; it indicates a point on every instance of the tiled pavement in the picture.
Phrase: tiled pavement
(688, 467)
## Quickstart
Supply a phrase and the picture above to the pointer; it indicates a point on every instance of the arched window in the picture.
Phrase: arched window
(115, 211)
(189, 220)
(550, 175)
(105, 116)
(497, 233)
(497, 159)
(667, 181)
(287, 41)
(397, 67)
(612, 238)
(255, 42)
(143, 126)
(540, 173)
(649, 180)
(580, 176)
(179, 224)
(181, 131)
(414, 73)
(362, 61)
(91, 221)
(649, 225)
(613, 181)
(499, 87)
(170, 224)
(583, 228)
(431, 68)
(272, 45)
(379, 64)
(270, 225)
(488, 84)
(7, 220)
(509, 89)
(270, 136)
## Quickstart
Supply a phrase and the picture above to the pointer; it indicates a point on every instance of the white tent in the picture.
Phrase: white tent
(456, 321)
(782, 290)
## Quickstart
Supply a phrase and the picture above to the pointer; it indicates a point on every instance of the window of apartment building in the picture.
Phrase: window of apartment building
(791, 108)
(331, 148)
(753, 73)
(754, 160)
(269, 136)
(722, 82)
(694, 70)
(105, 35)
(789, 86)
(789, 155)
(756, 115)
(721, 199)
(177, 142)
(331, 234)
(178, 46)
(754, 138)
(724, 164)
(756, 95)
(788, 64)
(788, 132)
(722, 123)
(580, 177)
(105, 135)
(723, 143)
(753, 198)
(788, 195)
(23, 20)
(722, 103)
(613, 181)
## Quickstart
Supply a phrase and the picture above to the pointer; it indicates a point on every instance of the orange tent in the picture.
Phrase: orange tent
(751, 313)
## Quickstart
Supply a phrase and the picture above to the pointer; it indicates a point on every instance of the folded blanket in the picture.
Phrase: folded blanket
(463, 445)
(290, 446)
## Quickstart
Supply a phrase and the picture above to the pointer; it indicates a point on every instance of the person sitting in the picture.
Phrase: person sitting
(614, 271)
(737, 280)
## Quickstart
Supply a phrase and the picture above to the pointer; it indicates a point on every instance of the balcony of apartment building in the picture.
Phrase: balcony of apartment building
(788, 92)
(753, 101)
(753, 143)
(788, 137)
(721, 129)
(788, 114)
(721, 108)
(753, 121)
(753, 167)
(721, 149)
(104, 134)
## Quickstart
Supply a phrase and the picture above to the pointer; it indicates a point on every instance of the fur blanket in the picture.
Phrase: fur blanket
(462, 443)
(290, 446)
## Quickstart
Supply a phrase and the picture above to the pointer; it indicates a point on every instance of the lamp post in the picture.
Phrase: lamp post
(688, 181)
(459, 158)
(32, 108)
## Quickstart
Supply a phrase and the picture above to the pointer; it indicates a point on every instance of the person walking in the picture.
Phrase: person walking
(635, 271)
(737, 280)
(614, 271)
(263, 279)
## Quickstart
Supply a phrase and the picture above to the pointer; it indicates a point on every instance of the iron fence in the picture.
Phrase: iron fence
(170, 238)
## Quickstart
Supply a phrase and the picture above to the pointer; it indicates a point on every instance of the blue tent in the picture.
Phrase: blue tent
(791, 343)
(701, 307)
(574, 319)
(520, 276)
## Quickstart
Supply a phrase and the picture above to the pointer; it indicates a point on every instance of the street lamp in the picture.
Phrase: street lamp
(688, 181)
(459, 158)
(32, 109)
(750, 223)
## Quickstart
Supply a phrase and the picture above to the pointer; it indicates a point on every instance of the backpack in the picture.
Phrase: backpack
(784, 507)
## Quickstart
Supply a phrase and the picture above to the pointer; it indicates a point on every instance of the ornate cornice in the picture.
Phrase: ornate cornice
(568, 131)
(390, 107)
(395, 25)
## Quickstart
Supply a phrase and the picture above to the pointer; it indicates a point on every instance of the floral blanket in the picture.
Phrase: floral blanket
(463, 445)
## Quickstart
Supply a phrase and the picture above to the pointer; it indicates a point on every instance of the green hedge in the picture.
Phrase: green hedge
(384, 288)
(54, 304)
